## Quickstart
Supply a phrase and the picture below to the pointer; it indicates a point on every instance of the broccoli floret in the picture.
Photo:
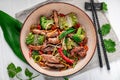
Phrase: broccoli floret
(30, 38)
(45, 23)
(79, 36)
(41, 39)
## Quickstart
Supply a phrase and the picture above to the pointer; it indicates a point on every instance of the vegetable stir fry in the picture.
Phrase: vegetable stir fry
(57, 42)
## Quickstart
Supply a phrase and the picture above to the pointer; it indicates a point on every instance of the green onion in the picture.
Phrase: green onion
(37, 58)
(65, 33)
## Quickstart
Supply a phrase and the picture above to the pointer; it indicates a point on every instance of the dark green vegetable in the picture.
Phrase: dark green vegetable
(34, 53)
(65, 33)
(41, 39)
(30, 38)
(66, 78)
(109, 45)
(13, 70)
(105, 29)
(28, 73)
(66, 53)
(104, 6)
(11, 30)
(36, 57)
(45, 23)
(79, 36)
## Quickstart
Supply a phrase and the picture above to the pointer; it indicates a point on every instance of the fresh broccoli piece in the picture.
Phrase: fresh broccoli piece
(41, 39)
(45, 23)
(79, 36)
(30, 38)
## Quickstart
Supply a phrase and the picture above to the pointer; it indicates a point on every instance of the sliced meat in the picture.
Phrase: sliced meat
(55, 15)
(34, 47)
(84, 42)
(79, 50)
(53, 40)
(70, 35)
(49, 48)
(50, 58)
(37, 31)
(82, 54)
(52, 34)
(58, 66)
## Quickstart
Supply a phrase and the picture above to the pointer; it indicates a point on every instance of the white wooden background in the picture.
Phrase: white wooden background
(7, 56)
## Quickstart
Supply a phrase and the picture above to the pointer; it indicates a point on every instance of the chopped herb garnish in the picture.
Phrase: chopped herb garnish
(109, 45)
(104, 7)
(66, 78)
(105, 29)
(28, 73)
(14, 70)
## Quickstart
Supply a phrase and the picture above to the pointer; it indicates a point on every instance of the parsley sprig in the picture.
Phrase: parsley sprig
(109, 43)
(104, 7)
(105, 29)
(13, 72)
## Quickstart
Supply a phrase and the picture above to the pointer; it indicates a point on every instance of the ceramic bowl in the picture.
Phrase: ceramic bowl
(61, 8)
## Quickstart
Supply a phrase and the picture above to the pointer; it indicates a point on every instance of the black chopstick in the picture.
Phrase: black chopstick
(98, 46)
(97, 25)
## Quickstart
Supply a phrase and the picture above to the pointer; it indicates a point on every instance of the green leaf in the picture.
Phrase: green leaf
(105, 29)
(104, 7)
(109, 45)
(18, 69)
(66, 78)
(11, 28)
(12, 70)
(28, 73)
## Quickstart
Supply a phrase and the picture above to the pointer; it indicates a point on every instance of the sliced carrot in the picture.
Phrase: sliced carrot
(86, 47)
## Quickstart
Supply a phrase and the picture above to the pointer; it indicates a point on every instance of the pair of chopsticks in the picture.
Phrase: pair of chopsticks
(97, 27)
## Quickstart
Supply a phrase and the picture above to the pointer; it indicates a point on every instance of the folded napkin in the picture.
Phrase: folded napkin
(103, 20)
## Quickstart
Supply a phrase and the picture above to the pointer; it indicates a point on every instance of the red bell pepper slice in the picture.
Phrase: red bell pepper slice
(64, 57)
(77, 25)
(61, 15)
(30, 52)
(38, 26)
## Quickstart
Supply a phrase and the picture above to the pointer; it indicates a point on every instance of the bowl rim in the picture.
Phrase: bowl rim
(70, 5)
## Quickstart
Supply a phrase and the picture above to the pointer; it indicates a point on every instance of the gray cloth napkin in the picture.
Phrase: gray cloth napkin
(103, 20)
